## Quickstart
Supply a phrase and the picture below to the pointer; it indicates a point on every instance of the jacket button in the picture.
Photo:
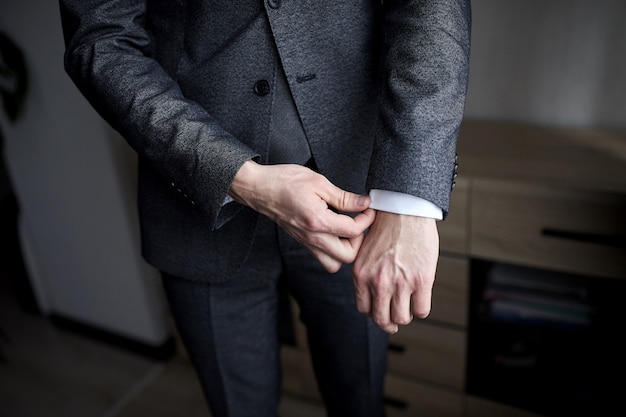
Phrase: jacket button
(262, 88)
(274, 4)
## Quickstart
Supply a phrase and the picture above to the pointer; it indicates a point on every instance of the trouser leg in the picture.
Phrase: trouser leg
(348, 350)
(230, 333)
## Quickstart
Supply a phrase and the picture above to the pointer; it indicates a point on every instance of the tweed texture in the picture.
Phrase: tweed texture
(379, 89)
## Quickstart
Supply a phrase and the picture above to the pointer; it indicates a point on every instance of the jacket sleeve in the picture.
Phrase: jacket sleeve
(425, 72)
(108, 57)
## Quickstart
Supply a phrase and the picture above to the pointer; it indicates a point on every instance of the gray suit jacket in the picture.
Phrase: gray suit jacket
(380, 90)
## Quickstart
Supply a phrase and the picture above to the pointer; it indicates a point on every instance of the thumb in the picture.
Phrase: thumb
(348, 202)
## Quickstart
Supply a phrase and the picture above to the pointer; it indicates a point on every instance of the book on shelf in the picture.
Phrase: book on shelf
(536, 296)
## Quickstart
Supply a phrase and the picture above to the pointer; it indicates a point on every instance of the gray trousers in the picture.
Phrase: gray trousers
(231, 332)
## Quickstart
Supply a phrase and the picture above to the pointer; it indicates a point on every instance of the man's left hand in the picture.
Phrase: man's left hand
(394, 271)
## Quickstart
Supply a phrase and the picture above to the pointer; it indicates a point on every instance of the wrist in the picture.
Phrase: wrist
(243, 188)
(391, 216)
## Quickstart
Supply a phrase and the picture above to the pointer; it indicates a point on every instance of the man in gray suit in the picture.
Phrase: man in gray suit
(305, 146)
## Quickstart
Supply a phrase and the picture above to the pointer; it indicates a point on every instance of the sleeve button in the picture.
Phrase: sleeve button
(262, 88)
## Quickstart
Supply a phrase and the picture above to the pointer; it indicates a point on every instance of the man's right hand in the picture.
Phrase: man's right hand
(299, 200)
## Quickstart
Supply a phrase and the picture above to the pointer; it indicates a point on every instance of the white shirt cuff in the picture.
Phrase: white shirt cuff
(400, 203)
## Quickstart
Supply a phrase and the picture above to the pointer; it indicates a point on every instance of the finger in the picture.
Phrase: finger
(401, 308)
(341, 249)
(421, 303)
(365, 219)
(323, 244)
(355, 245)
(390, 328)
(344, 200)
(330, 263)
(362, 297)
(342, 225)
(381, 311)
(346, 250)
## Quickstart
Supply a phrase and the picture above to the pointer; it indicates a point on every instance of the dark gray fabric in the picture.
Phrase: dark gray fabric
(379, 90)
(288, 143)
(231, 330)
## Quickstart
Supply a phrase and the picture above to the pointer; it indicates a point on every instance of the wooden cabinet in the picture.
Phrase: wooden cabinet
(450, 302)
(479, 407)
(540, 197)
(428, 352)
(408, 398)
(565, 229)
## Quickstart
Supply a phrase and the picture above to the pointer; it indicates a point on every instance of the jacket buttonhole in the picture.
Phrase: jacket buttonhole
(305, 78)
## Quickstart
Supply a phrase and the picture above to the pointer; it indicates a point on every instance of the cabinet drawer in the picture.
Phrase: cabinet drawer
(573, 231)
(407, 398)
(453, 230)
(450, 292)
(298, 376)
(431, 353)
(479, 407)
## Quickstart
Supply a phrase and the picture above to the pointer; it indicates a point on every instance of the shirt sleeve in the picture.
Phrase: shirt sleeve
(402, 203)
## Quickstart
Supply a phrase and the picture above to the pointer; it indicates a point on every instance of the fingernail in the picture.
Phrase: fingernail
(361, 200)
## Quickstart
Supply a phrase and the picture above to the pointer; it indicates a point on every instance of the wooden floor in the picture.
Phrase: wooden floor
(49, 372)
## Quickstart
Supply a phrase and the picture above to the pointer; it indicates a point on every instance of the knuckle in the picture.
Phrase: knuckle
(345, 199)
(357, 272)
(315, 241)
(311, 223)
(333, 267)
(391, 329)
(380, 322)
(319, 181)
(421, 312)
(380, 286)
(350, 256)
(363, 309)
(404, 320)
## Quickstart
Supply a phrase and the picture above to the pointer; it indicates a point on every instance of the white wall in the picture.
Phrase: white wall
(74, 179)
(555, 62)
